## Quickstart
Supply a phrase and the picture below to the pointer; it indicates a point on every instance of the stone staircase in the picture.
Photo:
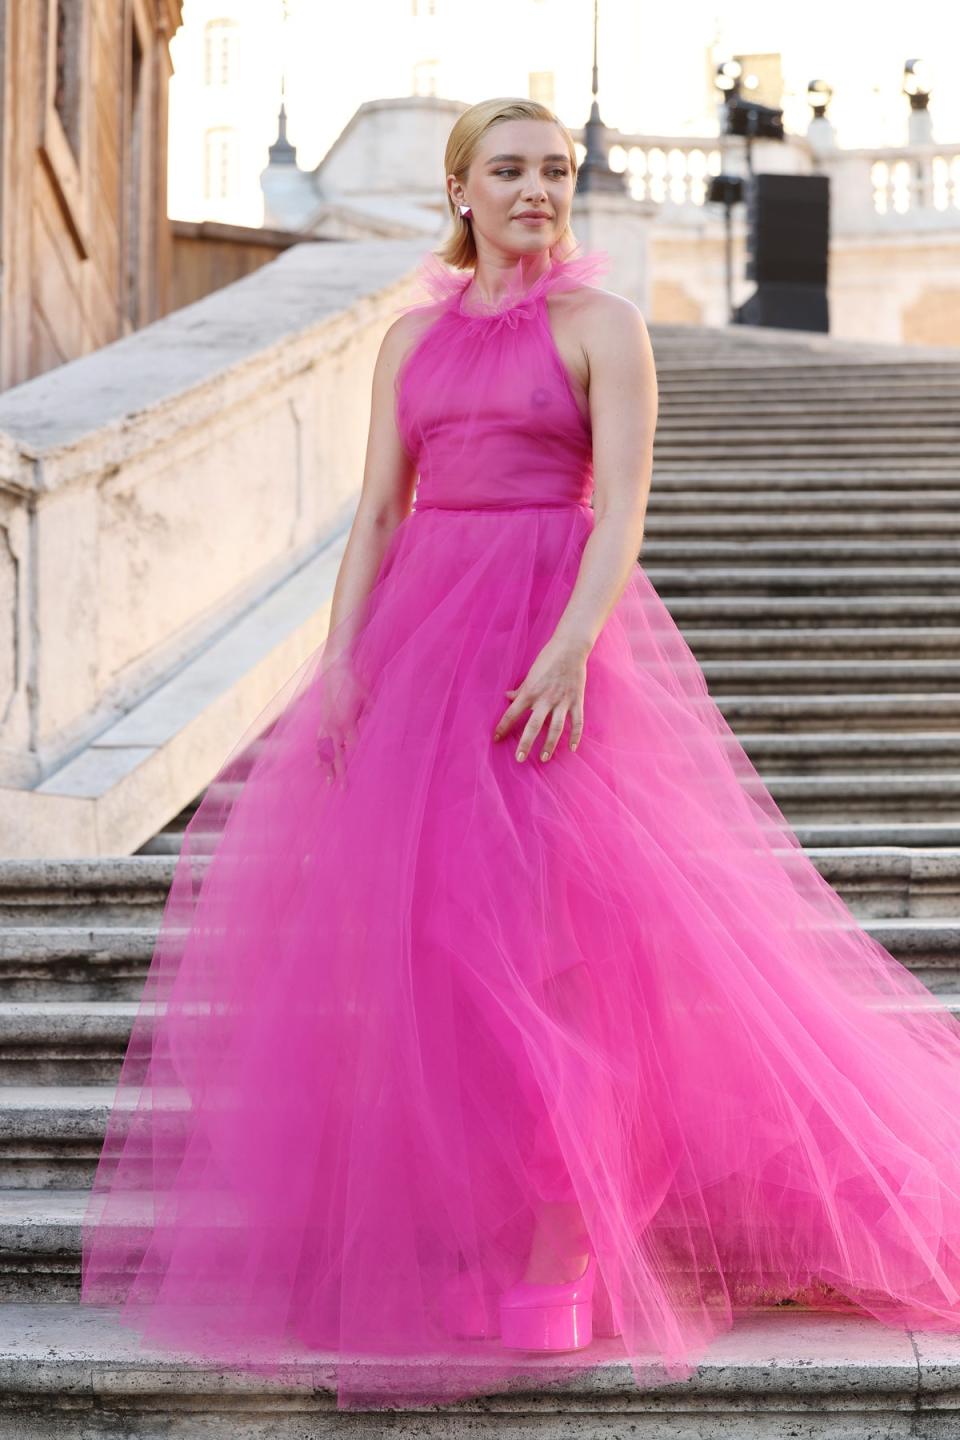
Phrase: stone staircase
(803, 531)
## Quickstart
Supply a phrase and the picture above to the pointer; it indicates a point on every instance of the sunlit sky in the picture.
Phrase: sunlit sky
(652, 58)
(656, 66)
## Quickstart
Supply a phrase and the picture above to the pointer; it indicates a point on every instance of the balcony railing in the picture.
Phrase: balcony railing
(884, 189)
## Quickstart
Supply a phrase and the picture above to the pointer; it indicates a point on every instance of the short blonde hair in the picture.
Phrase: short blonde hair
(459, 248)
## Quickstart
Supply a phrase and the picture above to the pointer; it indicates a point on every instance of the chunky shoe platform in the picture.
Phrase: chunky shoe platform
(557, 1317)
(475, 1314)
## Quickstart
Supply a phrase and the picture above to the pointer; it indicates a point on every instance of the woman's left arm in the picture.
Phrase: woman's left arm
(623, 413)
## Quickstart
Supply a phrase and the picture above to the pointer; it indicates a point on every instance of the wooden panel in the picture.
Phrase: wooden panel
(202, 265)
(100, 308)
(45, 354)
(56, 293)
(53, 306)
(20, 124)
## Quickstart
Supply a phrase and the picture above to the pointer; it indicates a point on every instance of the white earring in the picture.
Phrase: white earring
(465, 210)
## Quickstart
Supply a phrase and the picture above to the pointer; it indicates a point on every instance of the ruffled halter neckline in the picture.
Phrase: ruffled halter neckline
(449, 286)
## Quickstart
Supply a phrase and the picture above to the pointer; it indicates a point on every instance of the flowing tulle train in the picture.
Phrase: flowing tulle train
(390, 1020)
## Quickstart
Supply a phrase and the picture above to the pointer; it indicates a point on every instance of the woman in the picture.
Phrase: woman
(497, 1014)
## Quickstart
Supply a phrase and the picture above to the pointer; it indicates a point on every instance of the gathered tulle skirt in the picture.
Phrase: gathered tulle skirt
(392, 1020)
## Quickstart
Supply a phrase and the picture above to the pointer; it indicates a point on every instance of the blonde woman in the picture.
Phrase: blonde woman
(498, 1022)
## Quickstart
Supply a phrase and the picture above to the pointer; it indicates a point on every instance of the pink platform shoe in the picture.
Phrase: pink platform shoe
(557, 1317)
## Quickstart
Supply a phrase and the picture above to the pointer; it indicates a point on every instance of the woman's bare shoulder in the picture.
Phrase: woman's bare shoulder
(592, 324)
(601, 309)
(611, 326)
(404, 332)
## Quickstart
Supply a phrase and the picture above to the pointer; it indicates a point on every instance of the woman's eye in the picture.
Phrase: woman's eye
(510, 170)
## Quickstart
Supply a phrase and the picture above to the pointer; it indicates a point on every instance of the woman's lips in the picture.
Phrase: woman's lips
(532, 219)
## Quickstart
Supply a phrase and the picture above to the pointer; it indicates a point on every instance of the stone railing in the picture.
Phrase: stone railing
(670, 171)
(892, 189)
(168, 508)
(913, 187)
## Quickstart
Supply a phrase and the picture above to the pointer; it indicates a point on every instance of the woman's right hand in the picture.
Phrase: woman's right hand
(343, 694)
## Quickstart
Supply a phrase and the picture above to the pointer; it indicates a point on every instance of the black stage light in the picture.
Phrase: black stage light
(725, 189)
(756, 121)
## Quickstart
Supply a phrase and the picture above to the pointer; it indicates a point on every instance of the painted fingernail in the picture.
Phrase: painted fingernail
(521, 754)
(543, 755)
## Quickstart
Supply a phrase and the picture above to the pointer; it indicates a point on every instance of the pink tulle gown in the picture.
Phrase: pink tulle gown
(393, 1019)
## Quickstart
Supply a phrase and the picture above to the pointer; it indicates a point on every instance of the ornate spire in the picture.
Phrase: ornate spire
(281, 151)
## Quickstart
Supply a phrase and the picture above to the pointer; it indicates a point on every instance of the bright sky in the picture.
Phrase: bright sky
(653, 58)
(860, 48)
(656, 67)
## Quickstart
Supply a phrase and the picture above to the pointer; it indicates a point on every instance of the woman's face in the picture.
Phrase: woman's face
(520, 165)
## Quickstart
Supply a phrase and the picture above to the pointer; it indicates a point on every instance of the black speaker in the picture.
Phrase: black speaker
(788, 229)
(789, 307)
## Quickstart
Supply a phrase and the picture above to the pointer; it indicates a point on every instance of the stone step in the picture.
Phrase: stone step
(884, 881)
(819, 405)
(782, 394)
(844, 473)
(40, 1237)
(74, 962)
(122, 890)
(78, 969)
(754, 471)
(51, 1133)
(855, 580)
(752, 376)
(878, 856)
(830, 613)
(823, 677)
(800, 445)
(864, 796)
(853, 752)
(71, 1372)
(782, 374)
(737, 427)
(819, 644)
(918, 835)
(60, 1042)
(750, 505)
(881, 710)
(664, 545)
(846, 791)
(889, 420)
(702, 515)
(81, 1043)
(69, 990)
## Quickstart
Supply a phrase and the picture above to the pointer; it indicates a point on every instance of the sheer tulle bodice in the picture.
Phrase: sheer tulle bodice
(388, 1021)
(485, 402)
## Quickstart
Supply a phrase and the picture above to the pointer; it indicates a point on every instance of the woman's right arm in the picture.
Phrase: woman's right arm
(389, 478)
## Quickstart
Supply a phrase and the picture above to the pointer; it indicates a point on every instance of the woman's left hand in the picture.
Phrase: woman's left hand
(554, 687)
